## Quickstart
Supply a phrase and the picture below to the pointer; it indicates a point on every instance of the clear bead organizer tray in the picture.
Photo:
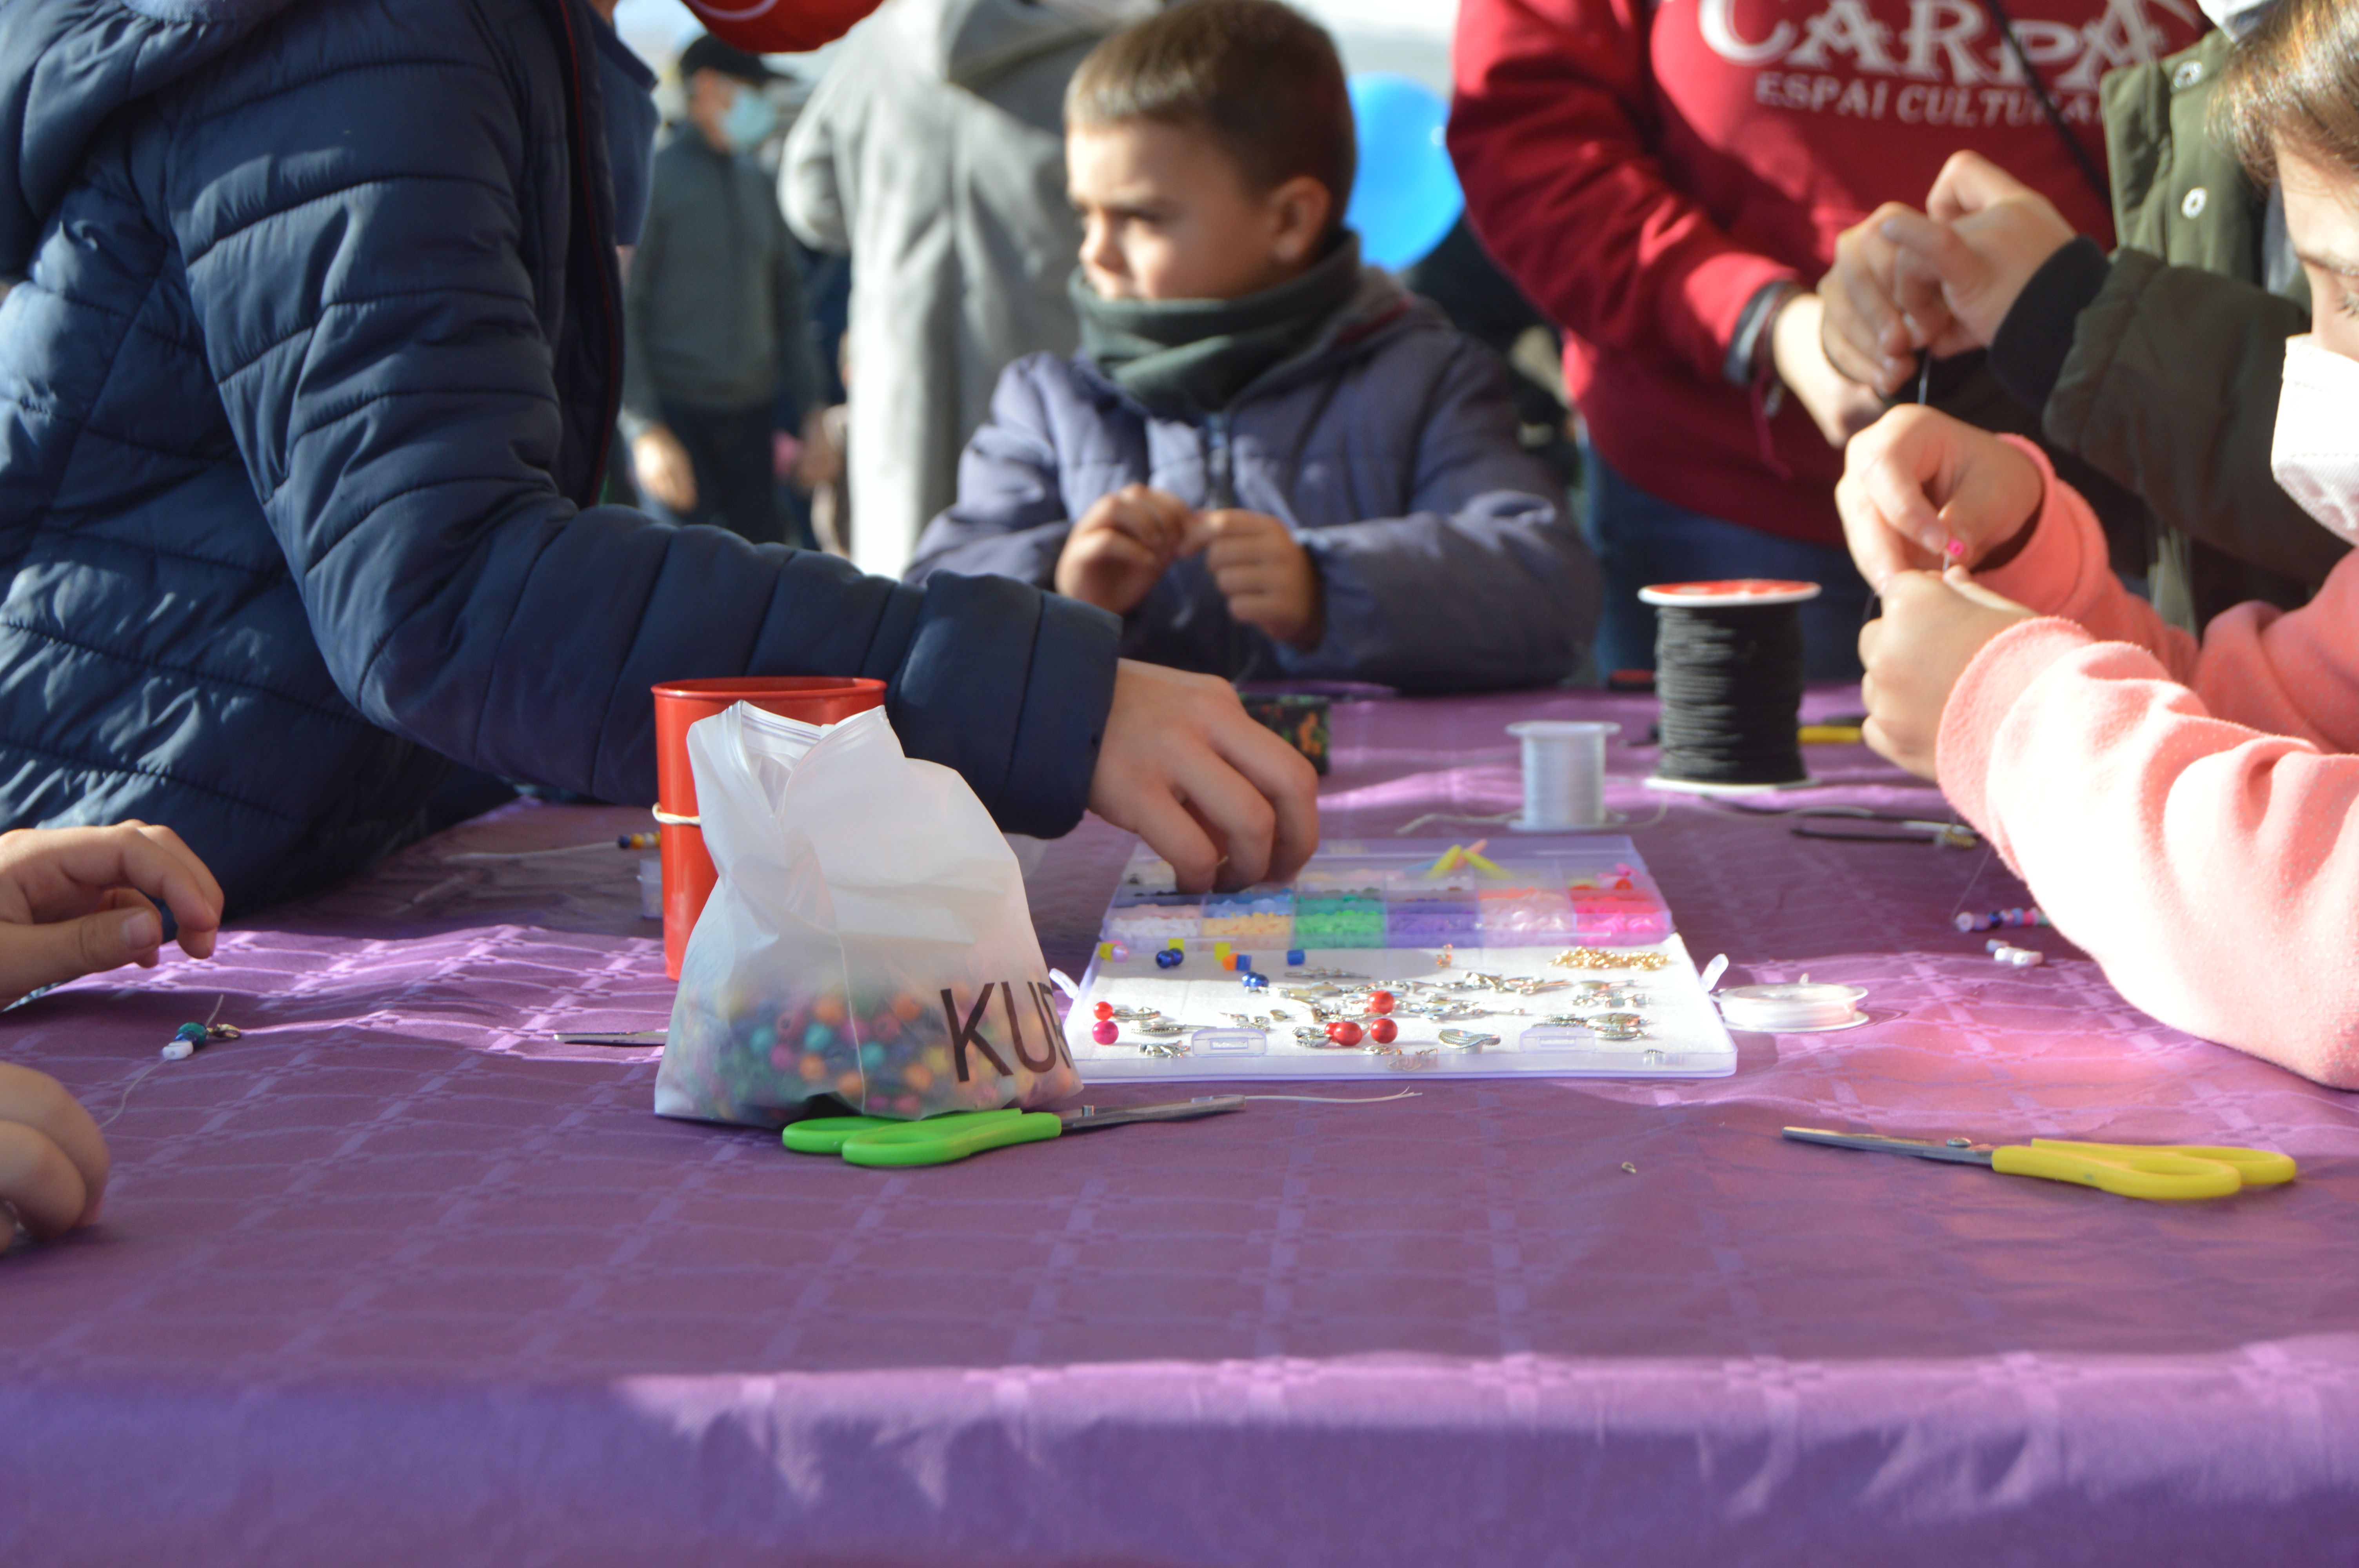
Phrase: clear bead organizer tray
(1549, 957)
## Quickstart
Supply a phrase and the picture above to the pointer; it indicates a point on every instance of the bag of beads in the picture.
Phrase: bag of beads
(867, 942)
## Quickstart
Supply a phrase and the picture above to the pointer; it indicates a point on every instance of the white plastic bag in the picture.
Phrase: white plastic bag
(868, 938)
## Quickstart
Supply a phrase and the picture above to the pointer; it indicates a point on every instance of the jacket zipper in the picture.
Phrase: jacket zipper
(1219, 476)
(602, 253)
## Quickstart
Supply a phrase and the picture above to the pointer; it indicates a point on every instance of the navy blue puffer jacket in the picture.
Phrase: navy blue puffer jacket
(304, 398)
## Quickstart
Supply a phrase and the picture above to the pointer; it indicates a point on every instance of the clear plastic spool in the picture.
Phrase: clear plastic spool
(1564, 773)
(1794, 1006)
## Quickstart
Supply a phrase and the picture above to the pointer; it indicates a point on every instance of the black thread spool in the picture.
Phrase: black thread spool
(1728, 669)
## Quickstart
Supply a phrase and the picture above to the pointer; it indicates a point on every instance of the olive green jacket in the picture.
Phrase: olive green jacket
(2171, 385)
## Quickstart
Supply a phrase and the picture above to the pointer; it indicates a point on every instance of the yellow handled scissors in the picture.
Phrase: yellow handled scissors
(2161, 1171)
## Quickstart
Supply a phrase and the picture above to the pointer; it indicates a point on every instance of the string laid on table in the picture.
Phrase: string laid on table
(1728, 670)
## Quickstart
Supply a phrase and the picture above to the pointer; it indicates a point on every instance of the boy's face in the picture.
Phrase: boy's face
(1165, 215)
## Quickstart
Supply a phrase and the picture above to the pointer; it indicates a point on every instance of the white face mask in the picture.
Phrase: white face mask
(2316, 454)
(2236, 18)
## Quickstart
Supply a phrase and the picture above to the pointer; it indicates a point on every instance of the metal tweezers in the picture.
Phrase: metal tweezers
(1874, 827)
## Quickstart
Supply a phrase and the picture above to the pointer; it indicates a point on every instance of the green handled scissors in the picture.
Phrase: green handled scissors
(2159, 1172)
(939, 1139)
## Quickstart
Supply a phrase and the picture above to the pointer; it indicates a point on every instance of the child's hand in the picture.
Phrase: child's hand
(1931, 629)
(1879, 310)
(1269, 580)
(1222, 799)
(1118, 551)
(52, 1160)
(1840, 406)
(1981, 236)
(1922, 491)
(74, 901)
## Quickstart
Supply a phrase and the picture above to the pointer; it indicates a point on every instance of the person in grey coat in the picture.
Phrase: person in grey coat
(933, 154)
(1267, 459)
(712, 310)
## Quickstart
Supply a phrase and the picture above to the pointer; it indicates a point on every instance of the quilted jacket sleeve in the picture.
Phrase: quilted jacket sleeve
(354, 243)
(1010, 517)
(1481, 582)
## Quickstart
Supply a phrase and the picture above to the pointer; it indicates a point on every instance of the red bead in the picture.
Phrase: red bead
(1344, 1032)
(1105, 1032)
(1380, 1001)
(1104, 1009)
(1384, 1031)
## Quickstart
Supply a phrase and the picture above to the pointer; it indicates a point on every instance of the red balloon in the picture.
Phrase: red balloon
(780, 27)
(1344, 1032)
(1384, 1031)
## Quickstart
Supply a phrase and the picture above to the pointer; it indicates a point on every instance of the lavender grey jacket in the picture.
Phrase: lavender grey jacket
(1390, 445)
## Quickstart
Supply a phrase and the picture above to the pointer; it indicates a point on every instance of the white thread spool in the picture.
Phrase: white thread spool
(1564, 773)
(1796, 1008)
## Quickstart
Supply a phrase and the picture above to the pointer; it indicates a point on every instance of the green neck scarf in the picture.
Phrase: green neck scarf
(1192, 357)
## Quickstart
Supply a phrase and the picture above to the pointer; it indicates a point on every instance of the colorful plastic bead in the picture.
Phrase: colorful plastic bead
(1254, 982)
(1105, 1032)
(1380, 1001)
(1344, 1032)
(1384, 1032)
(1119, 952)
(1103, 1010)
(1294, 956)
(1169, 958)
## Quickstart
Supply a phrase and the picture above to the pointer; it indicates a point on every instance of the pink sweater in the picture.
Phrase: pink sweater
(2187, 816)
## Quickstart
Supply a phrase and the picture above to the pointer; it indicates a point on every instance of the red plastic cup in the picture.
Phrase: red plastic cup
(687, 873)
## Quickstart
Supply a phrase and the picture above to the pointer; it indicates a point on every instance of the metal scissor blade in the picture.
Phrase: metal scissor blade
(1089, 1117)
(1956, 1153)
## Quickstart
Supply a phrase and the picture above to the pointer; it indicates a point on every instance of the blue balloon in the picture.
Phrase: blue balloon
(1406, 197)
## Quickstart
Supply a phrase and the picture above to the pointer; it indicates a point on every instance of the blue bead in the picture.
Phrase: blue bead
(1294, 956)
(1254, 982)
(1245, 963)
(1168, 958)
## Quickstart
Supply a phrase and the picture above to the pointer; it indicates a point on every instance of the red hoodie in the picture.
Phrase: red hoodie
(1642, 169)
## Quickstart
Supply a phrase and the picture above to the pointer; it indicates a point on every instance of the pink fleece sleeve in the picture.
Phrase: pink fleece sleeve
(2202, 844)
(2064, 571)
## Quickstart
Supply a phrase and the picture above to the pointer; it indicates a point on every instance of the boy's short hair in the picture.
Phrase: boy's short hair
(1262, 78)
(2294, 81)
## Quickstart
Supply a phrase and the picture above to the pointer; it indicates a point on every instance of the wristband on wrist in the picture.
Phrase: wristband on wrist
(1752, 361)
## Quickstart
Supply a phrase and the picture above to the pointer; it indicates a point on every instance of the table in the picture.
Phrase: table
(396, 1280)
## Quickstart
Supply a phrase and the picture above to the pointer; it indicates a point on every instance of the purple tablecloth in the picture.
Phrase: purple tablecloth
(395, 1280)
